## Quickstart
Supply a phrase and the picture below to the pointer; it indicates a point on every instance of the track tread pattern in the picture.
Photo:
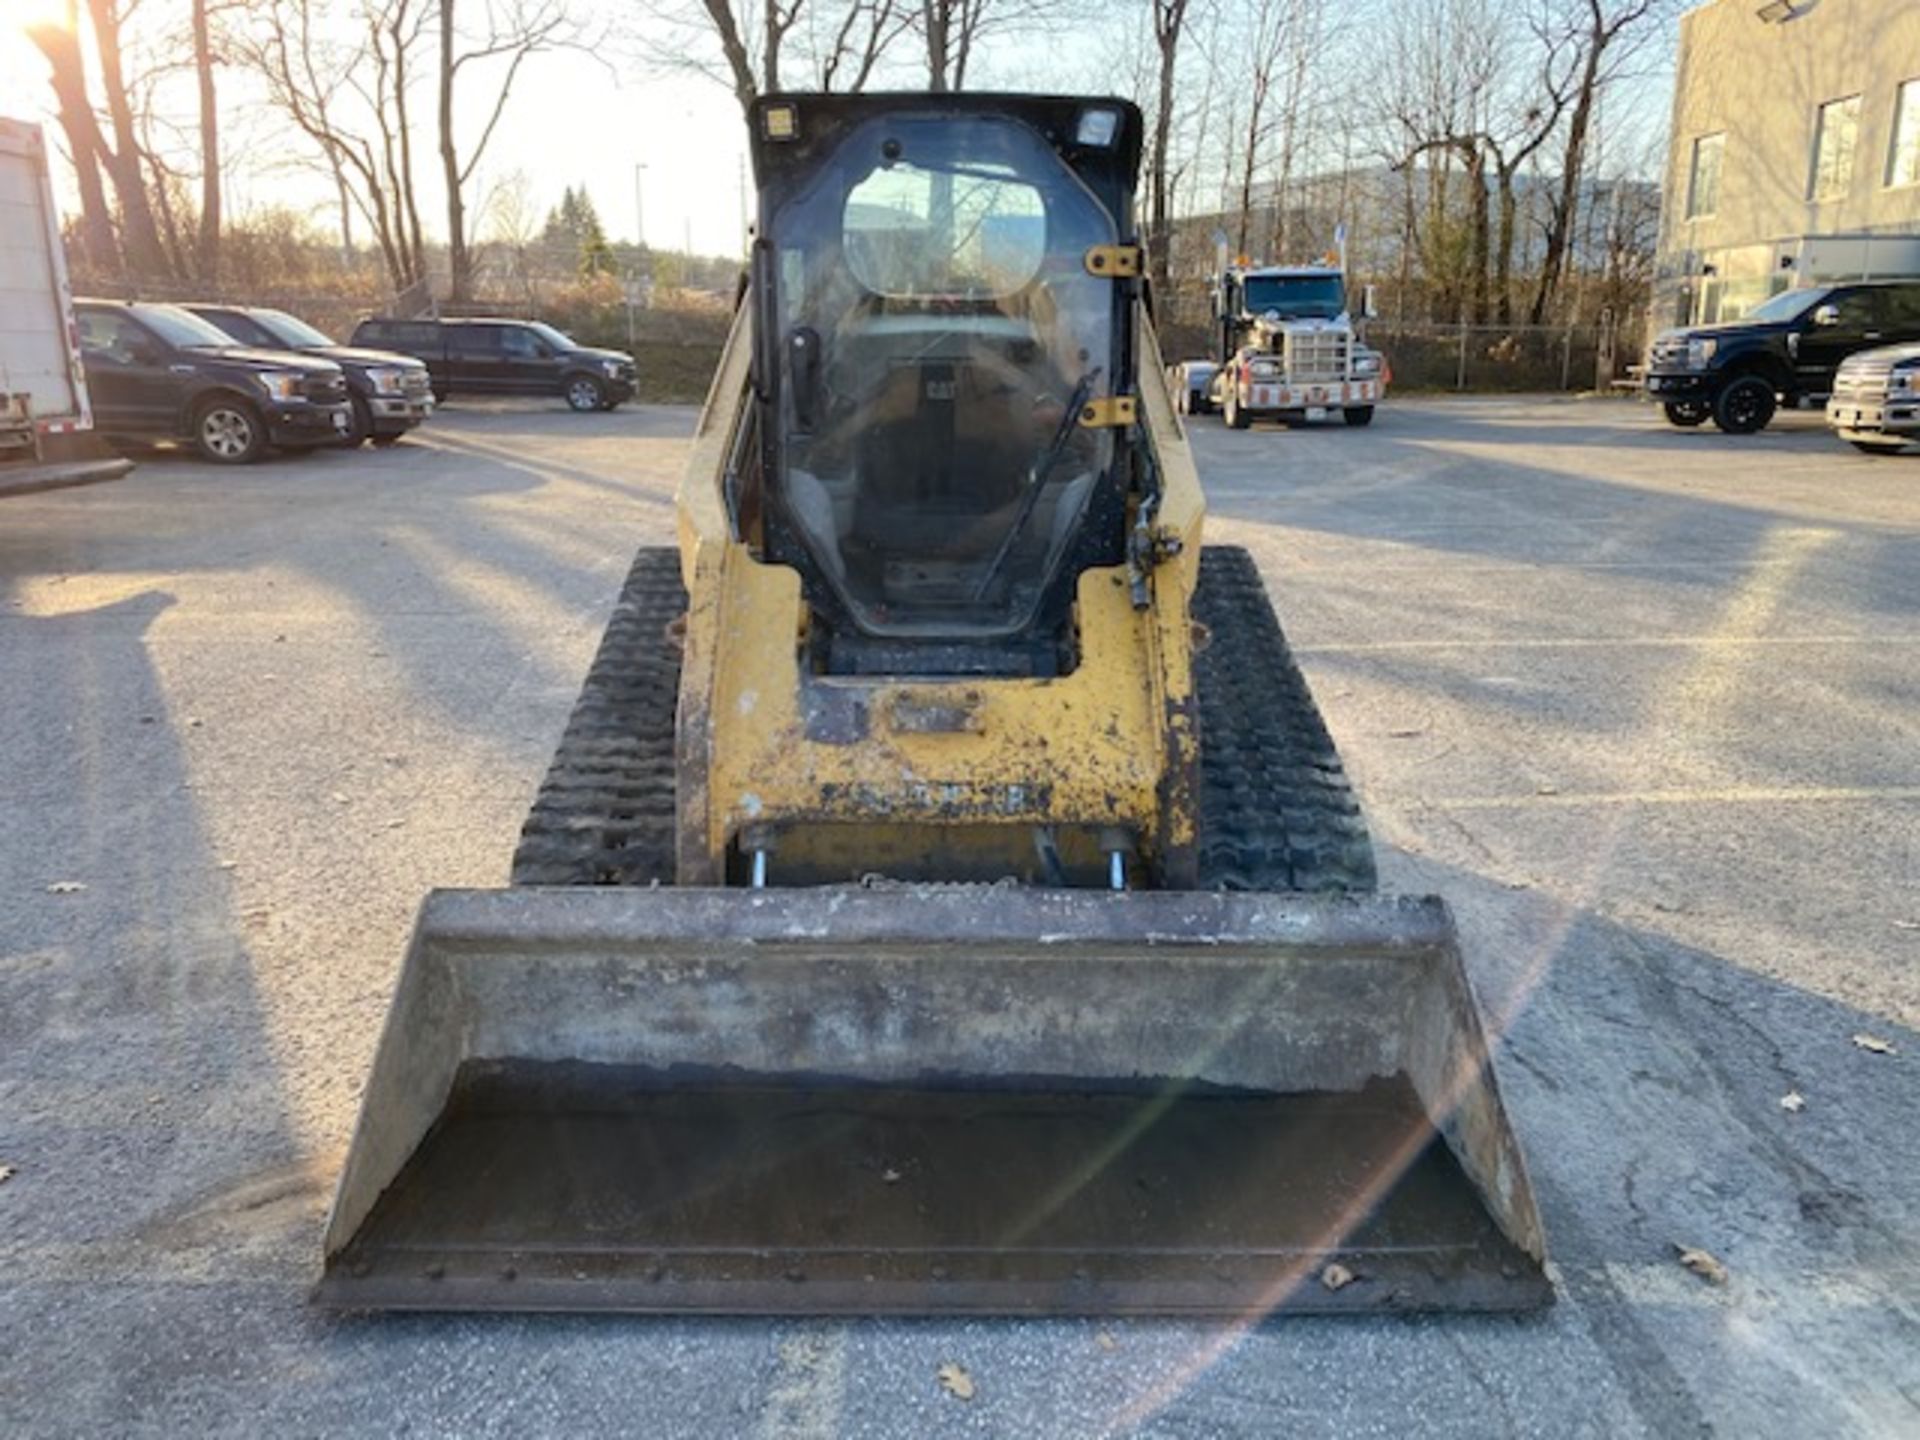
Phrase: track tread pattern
(604, 814)
(1276, 811)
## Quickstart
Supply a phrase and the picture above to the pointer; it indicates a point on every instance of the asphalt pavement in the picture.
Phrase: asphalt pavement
(1643, 704)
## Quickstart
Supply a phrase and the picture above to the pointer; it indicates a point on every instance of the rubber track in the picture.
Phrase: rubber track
(604, 814)
(1276, 811)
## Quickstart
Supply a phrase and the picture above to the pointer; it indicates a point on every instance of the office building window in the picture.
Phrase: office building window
(1703, 185)
(1903, 158)
(1835, 128)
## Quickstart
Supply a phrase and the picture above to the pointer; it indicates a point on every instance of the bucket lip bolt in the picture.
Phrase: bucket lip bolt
(1117, 845)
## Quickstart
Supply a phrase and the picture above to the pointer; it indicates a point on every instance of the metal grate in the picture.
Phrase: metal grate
(1317, 356)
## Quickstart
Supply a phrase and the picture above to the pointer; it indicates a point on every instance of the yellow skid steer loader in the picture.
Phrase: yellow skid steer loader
(946, 897)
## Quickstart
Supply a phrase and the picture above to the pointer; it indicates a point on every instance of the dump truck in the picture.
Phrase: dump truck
(946, 897)
(45, 415)
(1286, 348)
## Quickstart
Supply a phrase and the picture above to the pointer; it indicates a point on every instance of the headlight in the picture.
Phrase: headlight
(387, 382)
(1264, 369)
(612, 367)
(1905, 377)
(1699, 352)
(279, 385)
(1367, 363)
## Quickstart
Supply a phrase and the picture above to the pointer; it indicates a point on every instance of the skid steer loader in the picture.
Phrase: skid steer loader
(946, 897)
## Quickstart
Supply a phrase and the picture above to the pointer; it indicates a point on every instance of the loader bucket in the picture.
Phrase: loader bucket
(928, 1100)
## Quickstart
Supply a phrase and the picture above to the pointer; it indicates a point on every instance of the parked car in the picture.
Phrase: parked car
(389, 393)
(1192, 385)
(157, 371)
(1875, 404)
(507, 357)
(1783, 351)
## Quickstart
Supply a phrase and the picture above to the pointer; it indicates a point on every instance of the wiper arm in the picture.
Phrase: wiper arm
(1037, 479)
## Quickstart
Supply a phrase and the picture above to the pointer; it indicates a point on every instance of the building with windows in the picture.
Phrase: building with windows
(1795, 152)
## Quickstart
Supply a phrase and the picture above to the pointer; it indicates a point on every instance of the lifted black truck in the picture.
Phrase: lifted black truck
(1784, 351)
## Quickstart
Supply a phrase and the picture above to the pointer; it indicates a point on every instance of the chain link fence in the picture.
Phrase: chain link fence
(1507, 358)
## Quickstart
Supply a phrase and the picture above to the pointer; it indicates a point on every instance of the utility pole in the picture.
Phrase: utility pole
(639, 210)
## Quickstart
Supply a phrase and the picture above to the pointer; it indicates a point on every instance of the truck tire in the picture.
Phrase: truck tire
(1358, 415)
(1744, 405)
(585, 393)
(228, 431)
(360, 428)
(1236, 417)
(1687, 413)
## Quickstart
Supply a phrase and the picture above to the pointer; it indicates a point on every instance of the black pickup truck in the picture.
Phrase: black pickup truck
(1783, 351)
(389, 393)
(159, 372)
(506, 357)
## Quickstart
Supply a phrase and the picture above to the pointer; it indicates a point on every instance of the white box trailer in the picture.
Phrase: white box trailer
(43, 387)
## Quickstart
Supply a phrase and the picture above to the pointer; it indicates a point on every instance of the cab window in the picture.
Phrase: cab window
(521, 344)
(1859, 310)
(108, 335)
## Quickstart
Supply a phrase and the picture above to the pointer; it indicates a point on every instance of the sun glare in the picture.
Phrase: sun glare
(30, 13)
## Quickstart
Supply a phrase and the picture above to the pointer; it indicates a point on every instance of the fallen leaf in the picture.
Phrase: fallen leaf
(1546, 789)
(340, 799)
(958, 1382)
(6, 1173)
(1874, 1043)
(890, 1176)
(229, 864)
(1906, 924)
(1702, 1263)
(1793, 1102)
(1407, 734)
(396, 822)
(194, 722)
(1337, 1277)
(69, 887)
(1105, 1341)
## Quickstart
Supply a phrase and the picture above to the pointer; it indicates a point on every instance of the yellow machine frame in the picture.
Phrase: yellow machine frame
(770, 754)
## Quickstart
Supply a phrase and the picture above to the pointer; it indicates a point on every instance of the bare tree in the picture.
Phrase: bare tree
(60, 46)
(1270, 25)
(350, 102)
(139, 237)
(1604, 34)
(515, 30)
(1169, 22)
(207, 251)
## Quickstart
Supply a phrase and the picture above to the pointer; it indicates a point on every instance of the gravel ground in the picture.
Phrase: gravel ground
(1642, 703)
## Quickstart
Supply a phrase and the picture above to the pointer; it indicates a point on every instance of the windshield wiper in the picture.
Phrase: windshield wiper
(1037, 479)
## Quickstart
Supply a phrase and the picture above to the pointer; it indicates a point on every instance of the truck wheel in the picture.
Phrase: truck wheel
(228, 431)
(585, 393)
(1358, 415)
(1878, 447)
(1745, 405)
(1237, 418)
(360, 428)
(1687, 413)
